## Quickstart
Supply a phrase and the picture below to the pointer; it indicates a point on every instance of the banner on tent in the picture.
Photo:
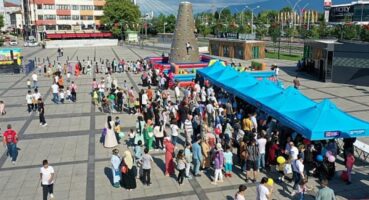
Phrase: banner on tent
(332, 134)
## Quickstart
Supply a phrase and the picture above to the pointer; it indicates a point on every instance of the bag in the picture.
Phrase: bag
(217, 131)
(124, 169)
(287, 169)
(344, 176)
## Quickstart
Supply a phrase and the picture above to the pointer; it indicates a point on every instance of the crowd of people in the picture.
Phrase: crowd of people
(200, 129)
(221, 132)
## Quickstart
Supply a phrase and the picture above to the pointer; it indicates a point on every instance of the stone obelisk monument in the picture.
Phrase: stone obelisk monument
(184, 45)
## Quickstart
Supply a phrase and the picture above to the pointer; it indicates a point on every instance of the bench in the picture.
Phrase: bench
(362, 150)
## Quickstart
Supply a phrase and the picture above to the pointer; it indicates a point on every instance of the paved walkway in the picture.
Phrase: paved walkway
(71, 140)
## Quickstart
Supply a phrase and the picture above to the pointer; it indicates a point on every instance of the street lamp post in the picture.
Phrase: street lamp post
(252, 17)
(164, 26)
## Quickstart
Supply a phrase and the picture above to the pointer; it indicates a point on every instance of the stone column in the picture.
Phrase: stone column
(184, 32)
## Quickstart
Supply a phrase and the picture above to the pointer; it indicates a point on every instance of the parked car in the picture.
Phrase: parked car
(31, 44)
(13, 43)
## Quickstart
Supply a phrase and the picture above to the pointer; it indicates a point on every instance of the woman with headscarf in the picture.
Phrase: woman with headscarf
(115, 162)
(205, 147)
(149, 135)
(169, 155)
(128, 180)
(110, 138)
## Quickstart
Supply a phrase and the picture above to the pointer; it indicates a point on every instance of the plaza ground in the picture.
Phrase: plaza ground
(71, 140)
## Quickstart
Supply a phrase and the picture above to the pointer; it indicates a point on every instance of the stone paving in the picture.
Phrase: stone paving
(71, 140)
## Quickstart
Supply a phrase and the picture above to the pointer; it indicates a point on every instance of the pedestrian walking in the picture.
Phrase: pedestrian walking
(47, 177)
(128, 180)
(146, 161)
(325, 193)
(218, 160)
(41, 112)
(263, 191)
(110, 138)
(10, 140)
(181, 166)
(115, 162)
(240, 195)
(169, 155)
(197, 157)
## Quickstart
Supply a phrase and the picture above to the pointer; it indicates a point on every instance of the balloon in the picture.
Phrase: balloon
(319, 158)
(328, 153)
(281, 160)
(270, 182)
(331, 158)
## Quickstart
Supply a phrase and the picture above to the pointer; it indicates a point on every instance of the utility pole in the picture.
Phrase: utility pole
(252, 17)
(164, 27)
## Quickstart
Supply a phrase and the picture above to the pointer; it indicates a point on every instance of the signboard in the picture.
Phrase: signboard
(357, 132)
(5, 56)
(332, 134)
(341, 13)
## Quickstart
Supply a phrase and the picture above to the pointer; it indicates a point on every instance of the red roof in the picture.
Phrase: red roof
(10, 4)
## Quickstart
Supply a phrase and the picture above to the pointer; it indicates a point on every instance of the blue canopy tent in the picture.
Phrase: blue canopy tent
(242, 80)
(226, 76)
(326, 121)
(207, 72)
(261, 89)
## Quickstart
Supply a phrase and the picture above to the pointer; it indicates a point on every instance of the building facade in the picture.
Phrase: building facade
(235, 48)
(54, 16)
(12, 17)
(356, 12)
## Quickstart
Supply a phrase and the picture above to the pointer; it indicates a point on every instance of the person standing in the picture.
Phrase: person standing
(146, 161)
(169, 155)
(325, 193)
(110, 138)
(350, 160)
(29, 98)
(253, 154)
(149, 135)
(181, 166)
(218, 164)
(296, 83)
(188, 128)
(197, 156)
(47, 177)
(55, 90)
(115, 162)
(128, 180)
(261, 144)
(298, 172)
(35, 80)
(188, 157)
(41, 112)
(10, 140)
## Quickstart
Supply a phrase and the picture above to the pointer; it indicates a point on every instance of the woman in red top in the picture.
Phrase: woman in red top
(169, 154)
(350, 160)
(272, 152)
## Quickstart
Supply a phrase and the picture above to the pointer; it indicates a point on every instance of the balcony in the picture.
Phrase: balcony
(48, 2)
(86, 12)
(45, 22)
(99, 2)
(63, 12)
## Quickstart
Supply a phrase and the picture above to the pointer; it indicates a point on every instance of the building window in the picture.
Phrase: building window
(63, 7)
(50, 27)
(98, 17)
(75, 7)
(39, 6)
(75, 17)
(88, 17)
(64, 27)
(98, 8)
(86, 7)
(40, 17)
(50, 17)
(49, 7)
(64, 17)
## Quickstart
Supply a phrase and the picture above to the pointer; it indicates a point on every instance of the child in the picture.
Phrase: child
(61, 96)
(181, 166)
(350, 160)
(302, 188)
(228, 159)
(146, 167)
(118, 133)
(138, 156)
(218, 164)
(69, 94)
(188, 157)
(125, 86)
(137, 105)
(131, 135)
(95, 97)
(68, 77)
(28, 84)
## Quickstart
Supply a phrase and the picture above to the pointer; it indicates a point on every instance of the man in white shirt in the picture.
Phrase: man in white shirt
(144, 101)
(261, 144)
(177, 93)
(298, 172)
(55, 89)
(47, 175)
(210, 112)
(254, 122)
(35, 80)
(293, 151)
(29, 98)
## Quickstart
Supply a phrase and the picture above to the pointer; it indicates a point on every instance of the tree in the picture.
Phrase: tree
(204, 30)
(364, 33)
(275, 33)
(349, 32)
(261, 31)
(122, 14)
(1, 21)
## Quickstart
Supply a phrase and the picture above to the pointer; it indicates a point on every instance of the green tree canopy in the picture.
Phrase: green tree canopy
(1, 21)
(121, 13)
